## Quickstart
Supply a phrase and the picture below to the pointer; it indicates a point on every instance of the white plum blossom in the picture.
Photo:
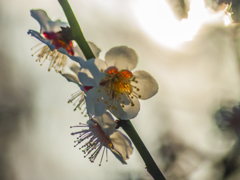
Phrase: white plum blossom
(113, 85)
(100, 134)
(56, 40)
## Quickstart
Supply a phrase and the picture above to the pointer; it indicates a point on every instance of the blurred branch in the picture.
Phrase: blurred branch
(180, 8)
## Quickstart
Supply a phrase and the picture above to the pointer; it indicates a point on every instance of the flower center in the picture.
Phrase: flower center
(118, 86)
(96, 140)
(60, 40)
(117, 82)
(98, 132)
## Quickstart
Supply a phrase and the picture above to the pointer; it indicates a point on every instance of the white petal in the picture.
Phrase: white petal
(128, 111)
(122, 57)
(70, 72)
(94, 49)
(42, 39)
(78, 52)
(74, 58)
(75, 68)
(85, 78)
(95, 66)
(85, 74)
(94, 103)
(46, 24)
(71, 77)
(122, 146)
(106, 122)
(147, 85)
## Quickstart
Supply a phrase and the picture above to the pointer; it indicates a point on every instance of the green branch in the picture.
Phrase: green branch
(77, 34)
(151, 166)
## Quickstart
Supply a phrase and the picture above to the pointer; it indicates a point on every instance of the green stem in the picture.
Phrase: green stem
(151, 166)
(77, 34)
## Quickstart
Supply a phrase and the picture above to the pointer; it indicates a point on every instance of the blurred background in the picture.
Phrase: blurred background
(190, 127)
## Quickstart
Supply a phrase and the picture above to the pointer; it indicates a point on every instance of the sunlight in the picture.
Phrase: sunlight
(159, 22)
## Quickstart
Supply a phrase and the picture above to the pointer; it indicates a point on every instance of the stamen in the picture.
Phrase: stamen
(96, 140)
(36, 46)
(102, 156)
(36, 51)
(117, 85)
(106, 156)
(78, 99)
(57, 60)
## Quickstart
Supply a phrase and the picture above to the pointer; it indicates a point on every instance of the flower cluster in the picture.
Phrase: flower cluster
(107, 87)
(54, 34)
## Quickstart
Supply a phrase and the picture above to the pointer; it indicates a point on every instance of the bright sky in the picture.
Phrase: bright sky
(160, 23)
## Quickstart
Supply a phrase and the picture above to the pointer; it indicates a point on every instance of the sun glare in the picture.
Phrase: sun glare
(158, 20)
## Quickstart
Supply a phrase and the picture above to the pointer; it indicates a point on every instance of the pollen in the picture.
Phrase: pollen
(57, 60)
(95, 139)
(78, 100)
(118, 86)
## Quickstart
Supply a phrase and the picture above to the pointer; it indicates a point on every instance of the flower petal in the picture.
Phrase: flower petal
(71, 77)
(106, 122)
(122, 57)
(79, 60)
(96, 51)
(94, 103)
(122, 111)
(37, 35)
(46, 24)
(122, 146)
(95, 67)
(89, 74)
(147, 85)
(42, 39)
(86, 78)
(128, 111)
(93, 47)
(75, 68)
(70, 73)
